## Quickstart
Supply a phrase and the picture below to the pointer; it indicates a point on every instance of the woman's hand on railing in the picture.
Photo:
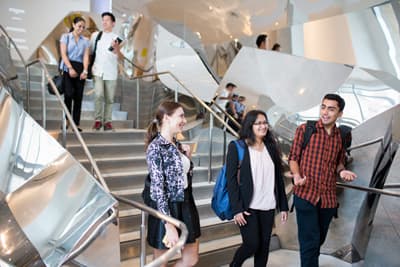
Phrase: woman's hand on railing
(171, 235)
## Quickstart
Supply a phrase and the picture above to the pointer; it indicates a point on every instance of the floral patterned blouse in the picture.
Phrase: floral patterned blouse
(163, 160)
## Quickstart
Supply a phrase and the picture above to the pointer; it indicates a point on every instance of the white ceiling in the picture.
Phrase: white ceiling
(220, 20)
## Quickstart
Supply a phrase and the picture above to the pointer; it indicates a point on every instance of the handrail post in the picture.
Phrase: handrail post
(44, 109)
(224, 149)
(210, 137)
(64, 130)
(137, 103)
(143, 240)
(28, 89)
(176, 94)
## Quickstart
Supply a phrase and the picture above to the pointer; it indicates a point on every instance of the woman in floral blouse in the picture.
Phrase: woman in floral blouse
(171, 173)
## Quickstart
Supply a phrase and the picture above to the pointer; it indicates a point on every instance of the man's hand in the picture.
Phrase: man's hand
(298, 180)
(348, 176)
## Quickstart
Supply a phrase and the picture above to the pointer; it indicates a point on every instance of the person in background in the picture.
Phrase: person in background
(240, 107)
(276, 47)
(171, 173)
(223, 99)
(258, 190)
(105, 71)
(74, 50)
(262, 41)
(314, 170)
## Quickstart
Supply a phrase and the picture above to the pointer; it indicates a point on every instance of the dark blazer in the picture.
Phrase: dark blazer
(240, 195)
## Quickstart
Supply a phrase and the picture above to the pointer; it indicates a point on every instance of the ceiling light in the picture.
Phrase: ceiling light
(276, 23)
(210, 8)
(301, 91)
(198, 34)
(230, 36)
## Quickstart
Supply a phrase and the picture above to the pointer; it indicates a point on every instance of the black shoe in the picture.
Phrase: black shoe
(79, 129)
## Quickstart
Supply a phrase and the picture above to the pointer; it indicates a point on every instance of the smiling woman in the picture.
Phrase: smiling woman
(171, 173)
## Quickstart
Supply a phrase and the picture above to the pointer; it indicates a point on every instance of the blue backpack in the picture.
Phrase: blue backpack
(220, 200)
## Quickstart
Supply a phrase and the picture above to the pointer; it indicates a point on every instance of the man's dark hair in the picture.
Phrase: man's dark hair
(337, 98)
(260, 39)
(275, 47)
(111, 15)
(230, 85)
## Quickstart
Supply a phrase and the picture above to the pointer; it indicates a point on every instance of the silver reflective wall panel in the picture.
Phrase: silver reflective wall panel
(55, 201)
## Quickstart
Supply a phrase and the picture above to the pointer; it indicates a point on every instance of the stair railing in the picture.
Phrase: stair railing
(212, 113)
(170, 252)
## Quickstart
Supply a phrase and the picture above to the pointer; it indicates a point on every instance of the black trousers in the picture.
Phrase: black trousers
(73, 92)
(312, 225)
(256, 235)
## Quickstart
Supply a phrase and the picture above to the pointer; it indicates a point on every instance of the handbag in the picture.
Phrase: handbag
(59, 82)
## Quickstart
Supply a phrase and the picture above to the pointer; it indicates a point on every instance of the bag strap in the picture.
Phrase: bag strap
(240, 149)
(60, 60)
(98, 37)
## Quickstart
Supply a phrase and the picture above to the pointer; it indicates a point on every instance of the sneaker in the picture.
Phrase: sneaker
(108, 126)
(97, 125)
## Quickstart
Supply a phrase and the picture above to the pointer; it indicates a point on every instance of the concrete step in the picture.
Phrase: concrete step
(56, 113)
(86, 125)
(52, 103)
(117, 136)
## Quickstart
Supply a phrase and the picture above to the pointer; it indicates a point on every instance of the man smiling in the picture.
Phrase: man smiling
(314, 170)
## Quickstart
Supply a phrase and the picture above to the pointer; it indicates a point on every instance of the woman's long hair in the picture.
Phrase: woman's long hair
(246, 133)
(165, 108)
(75, 21)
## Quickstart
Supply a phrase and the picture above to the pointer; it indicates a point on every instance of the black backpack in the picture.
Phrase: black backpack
(345, 134)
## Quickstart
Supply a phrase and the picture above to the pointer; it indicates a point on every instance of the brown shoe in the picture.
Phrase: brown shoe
(108, 126)
(97, 125)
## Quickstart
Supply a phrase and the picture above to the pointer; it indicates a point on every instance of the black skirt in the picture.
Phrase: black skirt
(185, 211)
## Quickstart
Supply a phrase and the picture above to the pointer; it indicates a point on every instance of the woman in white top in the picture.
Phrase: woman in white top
(257, 190)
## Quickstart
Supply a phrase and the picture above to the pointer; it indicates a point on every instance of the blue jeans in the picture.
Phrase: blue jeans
(312, 225)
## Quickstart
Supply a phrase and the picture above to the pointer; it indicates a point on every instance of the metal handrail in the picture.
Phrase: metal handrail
(173, 250)
(93, 235)
(13, 43)
(136, 66)
(368, 143)
(368, 189)
(229, 116)
(394, 185)
(73, 126)
(201, 102)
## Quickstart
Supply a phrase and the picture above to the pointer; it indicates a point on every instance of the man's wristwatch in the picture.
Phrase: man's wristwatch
(85, 72)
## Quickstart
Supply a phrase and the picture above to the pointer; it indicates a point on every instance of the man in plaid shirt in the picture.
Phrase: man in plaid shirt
(314, 170)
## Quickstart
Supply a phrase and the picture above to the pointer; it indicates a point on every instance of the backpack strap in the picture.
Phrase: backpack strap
(345, 135)
(310, 130)
(98, 37)
(240, 145)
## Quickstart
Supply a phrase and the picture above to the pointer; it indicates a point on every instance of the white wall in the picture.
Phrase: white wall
(29, 22)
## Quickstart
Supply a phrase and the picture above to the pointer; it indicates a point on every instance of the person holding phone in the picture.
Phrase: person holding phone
(105, 71)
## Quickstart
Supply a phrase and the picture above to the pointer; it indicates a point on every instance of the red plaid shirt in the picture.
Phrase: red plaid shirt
(318, 163)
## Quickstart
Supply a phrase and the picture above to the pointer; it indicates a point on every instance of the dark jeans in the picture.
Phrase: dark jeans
(312, 225)
(73, 91)
(256, 235)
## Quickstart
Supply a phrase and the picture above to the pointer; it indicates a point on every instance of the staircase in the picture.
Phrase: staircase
(120, 156)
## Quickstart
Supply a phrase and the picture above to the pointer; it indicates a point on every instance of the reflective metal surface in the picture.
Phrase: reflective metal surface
(15, 248)
(54, 200)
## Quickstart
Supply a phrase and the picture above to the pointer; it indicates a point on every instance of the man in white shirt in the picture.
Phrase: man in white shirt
(105, 71)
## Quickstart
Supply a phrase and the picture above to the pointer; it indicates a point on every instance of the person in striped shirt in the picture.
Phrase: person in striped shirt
(314, 171)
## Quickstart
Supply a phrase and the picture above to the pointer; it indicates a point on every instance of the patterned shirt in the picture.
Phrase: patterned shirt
(318, 163)
(166, 173)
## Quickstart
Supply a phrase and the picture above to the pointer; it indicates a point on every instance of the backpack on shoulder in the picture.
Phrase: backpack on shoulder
(220, 199)
(345, 135)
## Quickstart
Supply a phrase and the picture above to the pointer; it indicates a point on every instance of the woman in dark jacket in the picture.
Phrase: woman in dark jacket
(258, 190)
